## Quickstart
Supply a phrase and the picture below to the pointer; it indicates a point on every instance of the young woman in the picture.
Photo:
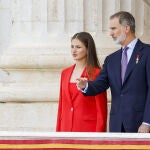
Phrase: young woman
(76, 112)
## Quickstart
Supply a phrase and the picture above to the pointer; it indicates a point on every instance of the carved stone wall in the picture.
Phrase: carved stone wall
(35, 47)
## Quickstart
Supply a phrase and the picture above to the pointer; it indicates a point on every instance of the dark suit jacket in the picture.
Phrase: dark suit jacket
(77, 113)
(130, 101)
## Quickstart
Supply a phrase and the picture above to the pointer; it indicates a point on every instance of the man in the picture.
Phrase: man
(127, 73)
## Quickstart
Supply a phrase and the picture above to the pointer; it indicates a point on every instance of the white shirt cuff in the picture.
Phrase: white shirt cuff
(146, 123)
(85, 89)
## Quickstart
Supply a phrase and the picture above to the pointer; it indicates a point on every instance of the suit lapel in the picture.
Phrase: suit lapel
(137, 54)
(68, 76)
(117, 68)
(72, 97)
(76, 92)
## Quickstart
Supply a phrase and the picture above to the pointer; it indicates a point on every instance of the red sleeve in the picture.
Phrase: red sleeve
(101, 106)
(58, 124)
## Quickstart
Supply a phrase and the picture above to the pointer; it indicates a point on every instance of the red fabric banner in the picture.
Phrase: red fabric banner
(58, 144)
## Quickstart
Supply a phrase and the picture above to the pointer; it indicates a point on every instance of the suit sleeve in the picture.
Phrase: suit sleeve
(101, 107)
(59, 114)
(101, 83)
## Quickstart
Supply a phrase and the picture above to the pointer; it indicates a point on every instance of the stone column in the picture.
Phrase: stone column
(5, 24)
(146, 22)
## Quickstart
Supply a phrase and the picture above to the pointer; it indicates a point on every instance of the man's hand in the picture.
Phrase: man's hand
(81, 83)
(144, 128)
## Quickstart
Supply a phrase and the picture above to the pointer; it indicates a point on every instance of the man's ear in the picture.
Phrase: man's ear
(127, 28)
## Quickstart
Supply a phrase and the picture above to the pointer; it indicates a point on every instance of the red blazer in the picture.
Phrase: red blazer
(79, 113)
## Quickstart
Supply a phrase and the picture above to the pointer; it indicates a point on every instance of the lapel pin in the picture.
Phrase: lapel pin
(137, 58)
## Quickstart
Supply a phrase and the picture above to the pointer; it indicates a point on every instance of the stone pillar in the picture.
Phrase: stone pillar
(5, 24)
(146, 22)
(37, 48)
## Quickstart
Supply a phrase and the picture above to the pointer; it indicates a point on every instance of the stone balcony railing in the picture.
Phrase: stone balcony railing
(35, 47)
(73, 141)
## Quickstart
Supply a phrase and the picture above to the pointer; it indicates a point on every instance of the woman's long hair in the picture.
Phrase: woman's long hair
(92, 59)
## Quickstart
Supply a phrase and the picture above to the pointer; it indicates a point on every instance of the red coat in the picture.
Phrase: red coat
(79, 113)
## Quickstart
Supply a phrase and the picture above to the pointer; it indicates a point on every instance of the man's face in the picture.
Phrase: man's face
(117, 31)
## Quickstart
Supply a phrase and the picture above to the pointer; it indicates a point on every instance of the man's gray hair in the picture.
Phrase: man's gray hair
(125, 18)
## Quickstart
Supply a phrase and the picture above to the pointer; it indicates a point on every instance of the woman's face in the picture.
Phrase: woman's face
(78, 50)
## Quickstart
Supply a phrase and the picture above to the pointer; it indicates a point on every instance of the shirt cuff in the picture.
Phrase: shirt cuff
(85, 89)
(146, 123)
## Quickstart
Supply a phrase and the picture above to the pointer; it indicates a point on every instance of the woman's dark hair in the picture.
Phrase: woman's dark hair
(92, 59)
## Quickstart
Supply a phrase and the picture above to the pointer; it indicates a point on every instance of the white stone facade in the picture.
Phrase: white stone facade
(35, 47)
